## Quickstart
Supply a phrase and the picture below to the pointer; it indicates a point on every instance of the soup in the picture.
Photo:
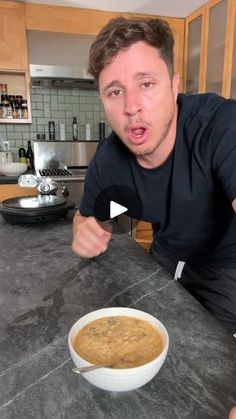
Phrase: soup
(120, 341)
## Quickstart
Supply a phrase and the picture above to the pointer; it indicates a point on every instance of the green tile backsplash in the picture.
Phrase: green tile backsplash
(58, 105)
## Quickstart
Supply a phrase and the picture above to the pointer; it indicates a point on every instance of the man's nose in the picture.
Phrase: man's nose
(132, 104)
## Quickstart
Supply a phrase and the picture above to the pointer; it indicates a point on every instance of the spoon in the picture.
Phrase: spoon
(81, 370)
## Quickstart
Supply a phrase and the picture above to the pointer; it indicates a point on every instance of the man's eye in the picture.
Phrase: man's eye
(147, 84)
(116, 92)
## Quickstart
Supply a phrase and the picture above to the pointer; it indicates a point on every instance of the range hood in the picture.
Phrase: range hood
(59, 59)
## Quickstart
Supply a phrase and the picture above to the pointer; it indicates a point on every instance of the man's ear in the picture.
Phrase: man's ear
(175, 84)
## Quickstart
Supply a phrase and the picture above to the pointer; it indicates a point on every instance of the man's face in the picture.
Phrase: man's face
(139, 99)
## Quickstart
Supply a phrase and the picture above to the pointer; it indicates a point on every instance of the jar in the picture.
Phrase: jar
(19, 110)
(5, 103)
(4, 89)
(14, 109)
(24, 107)
(9, 111)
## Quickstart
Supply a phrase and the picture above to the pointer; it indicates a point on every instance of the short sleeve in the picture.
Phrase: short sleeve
(224, 148)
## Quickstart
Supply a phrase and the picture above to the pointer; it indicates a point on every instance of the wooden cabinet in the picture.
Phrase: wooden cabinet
(13, 42)
(209, 59)
(193, 56)
(230, 71)
(12, 190)
(14, 55)
(143, 234)
(216, 12)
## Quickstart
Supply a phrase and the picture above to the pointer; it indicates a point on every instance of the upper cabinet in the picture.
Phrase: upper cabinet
(230, 81)
(216, 18)
(194, 41)
(13, 42)
(209, 41)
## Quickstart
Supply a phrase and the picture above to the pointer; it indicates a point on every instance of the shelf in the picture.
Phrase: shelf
(15, 121)
(18, 83)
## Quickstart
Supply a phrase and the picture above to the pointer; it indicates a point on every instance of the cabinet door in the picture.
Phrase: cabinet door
(12, 190)
(13, 42)
(194, 42)
(231, 50)
(216, 30)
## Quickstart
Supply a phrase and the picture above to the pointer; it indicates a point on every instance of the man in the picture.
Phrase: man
(176, 152)
(232, 414)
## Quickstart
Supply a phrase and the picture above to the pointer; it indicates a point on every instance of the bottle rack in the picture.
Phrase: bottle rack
(18, 83)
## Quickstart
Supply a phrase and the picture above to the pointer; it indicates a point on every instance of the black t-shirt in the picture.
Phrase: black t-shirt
(188, 199)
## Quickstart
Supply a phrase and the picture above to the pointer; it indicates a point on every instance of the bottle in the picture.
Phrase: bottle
(88, 132)
(75, 129)
(24, 107)
(102, 130)
(22, 155)
(62, 132)
(51, 129)
(15, 109)
(30, 157)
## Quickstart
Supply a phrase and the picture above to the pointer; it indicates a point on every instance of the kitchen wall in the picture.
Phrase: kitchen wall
(59, 105)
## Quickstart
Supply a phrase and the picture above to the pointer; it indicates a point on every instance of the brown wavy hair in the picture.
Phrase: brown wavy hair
(120, 33)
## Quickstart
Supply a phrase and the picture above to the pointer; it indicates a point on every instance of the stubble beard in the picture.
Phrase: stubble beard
(150, 150)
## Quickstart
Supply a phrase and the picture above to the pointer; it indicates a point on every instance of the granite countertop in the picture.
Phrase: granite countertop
(45, 289)
(8, 179)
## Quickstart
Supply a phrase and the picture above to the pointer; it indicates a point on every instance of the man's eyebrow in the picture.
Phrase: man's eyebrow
(142, 74)
(112, 84)
(137, 76)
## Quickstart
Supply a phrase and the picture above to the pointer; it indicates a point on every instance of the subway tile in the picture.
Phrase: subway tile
(11, 128)
(69, 115)
(61, 99)
(37, 114)
(46, 98)
(39, 105)
(41, 91)
(14, 136)
(58, 114)
(70, 99)
(64, 92)
(65, 106)
(37, 98)
(3, 136)
(93, 100)
(3, 128)
(47, 110)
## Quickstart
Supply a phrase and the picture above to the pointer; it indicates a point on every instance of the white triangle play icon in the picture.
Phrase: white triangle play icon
(116, 209)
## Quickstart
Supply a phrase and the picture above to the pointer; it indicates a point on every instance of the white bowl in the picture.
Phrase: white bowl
(12, 169)
(126, 379)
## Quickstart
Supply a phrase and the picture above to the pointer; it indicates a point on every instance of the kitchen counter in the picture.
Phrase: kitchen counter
(8, 179)
(44, 289)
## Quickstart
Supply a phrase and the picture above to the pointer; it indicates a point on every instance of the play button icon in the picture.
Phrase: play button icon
(116, 209)
(120, 205)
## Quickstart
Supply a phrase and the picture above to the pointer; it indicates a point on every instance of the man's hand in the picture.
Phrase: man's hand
(234, 204)
(89, 238)
(232, 414)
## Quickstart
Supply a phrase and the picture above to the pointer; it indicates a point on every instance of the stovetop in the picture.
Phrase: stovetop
(63, 174)
(54, 172)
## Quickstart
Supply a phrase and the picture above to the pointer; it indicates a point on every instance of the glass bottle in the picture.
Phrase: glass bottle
(22, 155)
(30, 157)
(51, 129)
(75, 129)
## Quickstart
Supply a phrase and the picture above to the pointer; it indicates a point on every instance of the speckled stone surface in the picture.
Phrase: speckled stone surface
(44, 289)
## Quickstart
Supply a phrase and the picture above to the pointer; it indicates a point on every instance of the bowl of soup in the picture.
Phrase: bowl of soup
(131, 343)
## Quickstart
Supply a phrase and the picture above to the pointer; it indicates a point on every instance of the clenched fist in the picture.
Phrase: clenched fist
(89, 237)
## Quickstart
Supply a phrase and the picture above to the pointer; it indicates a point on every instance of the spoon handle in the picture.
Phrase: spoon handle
(81, 370)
